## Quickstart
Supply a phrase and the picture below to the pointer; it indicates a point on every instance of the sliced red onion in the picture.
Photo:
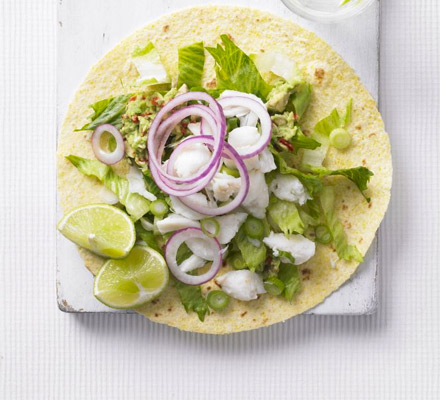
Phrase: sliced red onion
(256, 107)
(106, 157)
(172, 246)
(228, 152)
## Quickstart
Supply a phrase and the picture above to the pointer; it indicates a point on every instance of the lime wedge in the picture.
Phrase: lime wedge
(133, 281)
(103, 229)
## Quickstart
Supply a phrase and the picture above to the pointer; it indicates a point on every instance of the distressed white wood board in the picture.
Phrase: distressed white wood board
(88, 29)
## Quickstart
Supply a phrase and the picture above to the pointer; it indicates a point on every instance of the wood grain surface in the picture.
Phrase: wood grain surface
(49, 355)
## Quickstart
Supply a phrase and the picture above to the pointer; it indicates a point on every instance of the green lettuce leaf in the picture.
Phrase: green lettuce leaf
(286, 215)
(148, 237)
(191, 65)
(236, 71)
(289, 275)
(300, 98)
(149, 65)
(344, 250)
(135, 204)
(192, 299)
(360, 176)
(107, 111)
(253, 256)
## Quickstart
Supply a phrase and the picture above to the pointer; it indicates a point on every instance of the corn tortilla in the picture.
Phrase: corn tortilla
(334, 83)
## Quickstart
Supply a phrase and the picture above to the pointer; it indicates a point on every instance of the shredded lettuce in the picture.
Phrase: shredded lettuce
(344, 250)
(192, 299)
(136, 205)
(236, 71)
(107, 111)
(191, 65)
(289, 275)
(285, 215)
(322, 132)
(360, 176)
(148, 237)
(150, 67)
(300, 99)
(253, 256)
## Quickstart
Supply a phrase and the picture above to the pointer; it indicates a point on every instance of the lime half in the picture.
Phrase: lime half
(103, 229)
(133, 281)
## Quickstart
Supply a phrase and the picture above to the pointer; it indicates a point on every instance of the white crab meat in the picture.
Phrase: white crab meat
(182, 209)
(191, 160)
(242, 285)
(243, 137)
(192, 263)
(175, 222)
(136, 184)
(257, 199)
(298, 246)
(224, 186)
(290, 188)
(229, 226)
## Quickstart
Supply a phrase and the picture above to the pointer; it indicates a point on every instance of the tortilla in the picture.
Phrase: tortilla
(334, 83)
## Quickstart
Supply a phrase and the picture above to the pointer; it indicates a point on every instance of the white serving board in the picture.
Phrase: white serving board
(88, 29)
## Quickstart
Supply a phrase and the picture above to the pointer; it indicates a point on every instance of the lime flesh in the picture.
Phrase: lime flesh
(132, 281)
(100, 228)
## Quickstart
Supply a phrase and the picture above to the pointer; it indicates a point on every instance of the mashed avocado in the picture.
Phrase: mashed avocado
(279, 96)
(137, 119)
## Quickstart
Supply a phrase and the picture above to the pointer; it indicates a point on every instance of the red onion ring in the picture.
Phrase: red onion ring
(172, 246)
(102, 155)
(228, 152)
(262, 114)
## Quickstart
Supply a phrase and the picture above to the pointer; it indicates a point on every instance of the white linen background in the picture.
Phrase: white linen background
(46, 354)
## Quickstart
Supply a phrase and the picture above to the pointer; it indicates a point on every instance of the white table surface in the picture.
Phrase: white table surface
(46, 354)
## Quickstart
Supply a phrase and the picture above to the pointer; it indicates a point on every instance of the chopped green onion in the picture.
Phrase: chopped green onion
(323, 234)
(159, 207)
(237, 261)
(210, 227)
(274, 286)
(230, 171)
(217, 300)
(340, 138)
(254, 228)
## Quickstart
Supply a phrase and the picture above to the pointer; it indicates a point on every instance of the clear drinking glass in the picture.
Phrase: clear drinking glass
(327, 10)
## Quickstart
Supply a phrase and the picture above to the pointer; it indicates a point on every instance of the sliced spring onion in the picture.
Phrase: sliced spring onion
(254, 228)
(116, 152)
(237, 261)
(274, 286)
(217, 300)
(340, 138)
(210, 227)
(159, 208)
(323, 234)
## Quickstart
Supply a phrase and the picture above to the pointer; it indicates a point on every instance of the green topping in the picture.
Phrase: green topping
(323, 234)
(274, 286)
(236, 261)
(149, 65)
(192, 299)
(253, 256)
(344, 250)
(230, 171)
(340, 138)
(254, 228)
(191, 65)
(108, 111)
(148, 237)
(360, 176)
(300, 99)
(232, 124)
(135, 204)
(210, 227)
(236, 71)
(289, 275)
(217, 300)
(159, 208)
(286, 216)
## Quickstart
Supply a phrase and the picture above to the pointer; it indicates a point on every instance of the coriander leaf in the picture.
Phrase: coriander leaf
(192, 299)
(253, 256)
(135, 204)
(285, 215)
(360, 176)
(191, 65)
(289, 275)
(344, 250)
(107, 111)
(236, 71)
